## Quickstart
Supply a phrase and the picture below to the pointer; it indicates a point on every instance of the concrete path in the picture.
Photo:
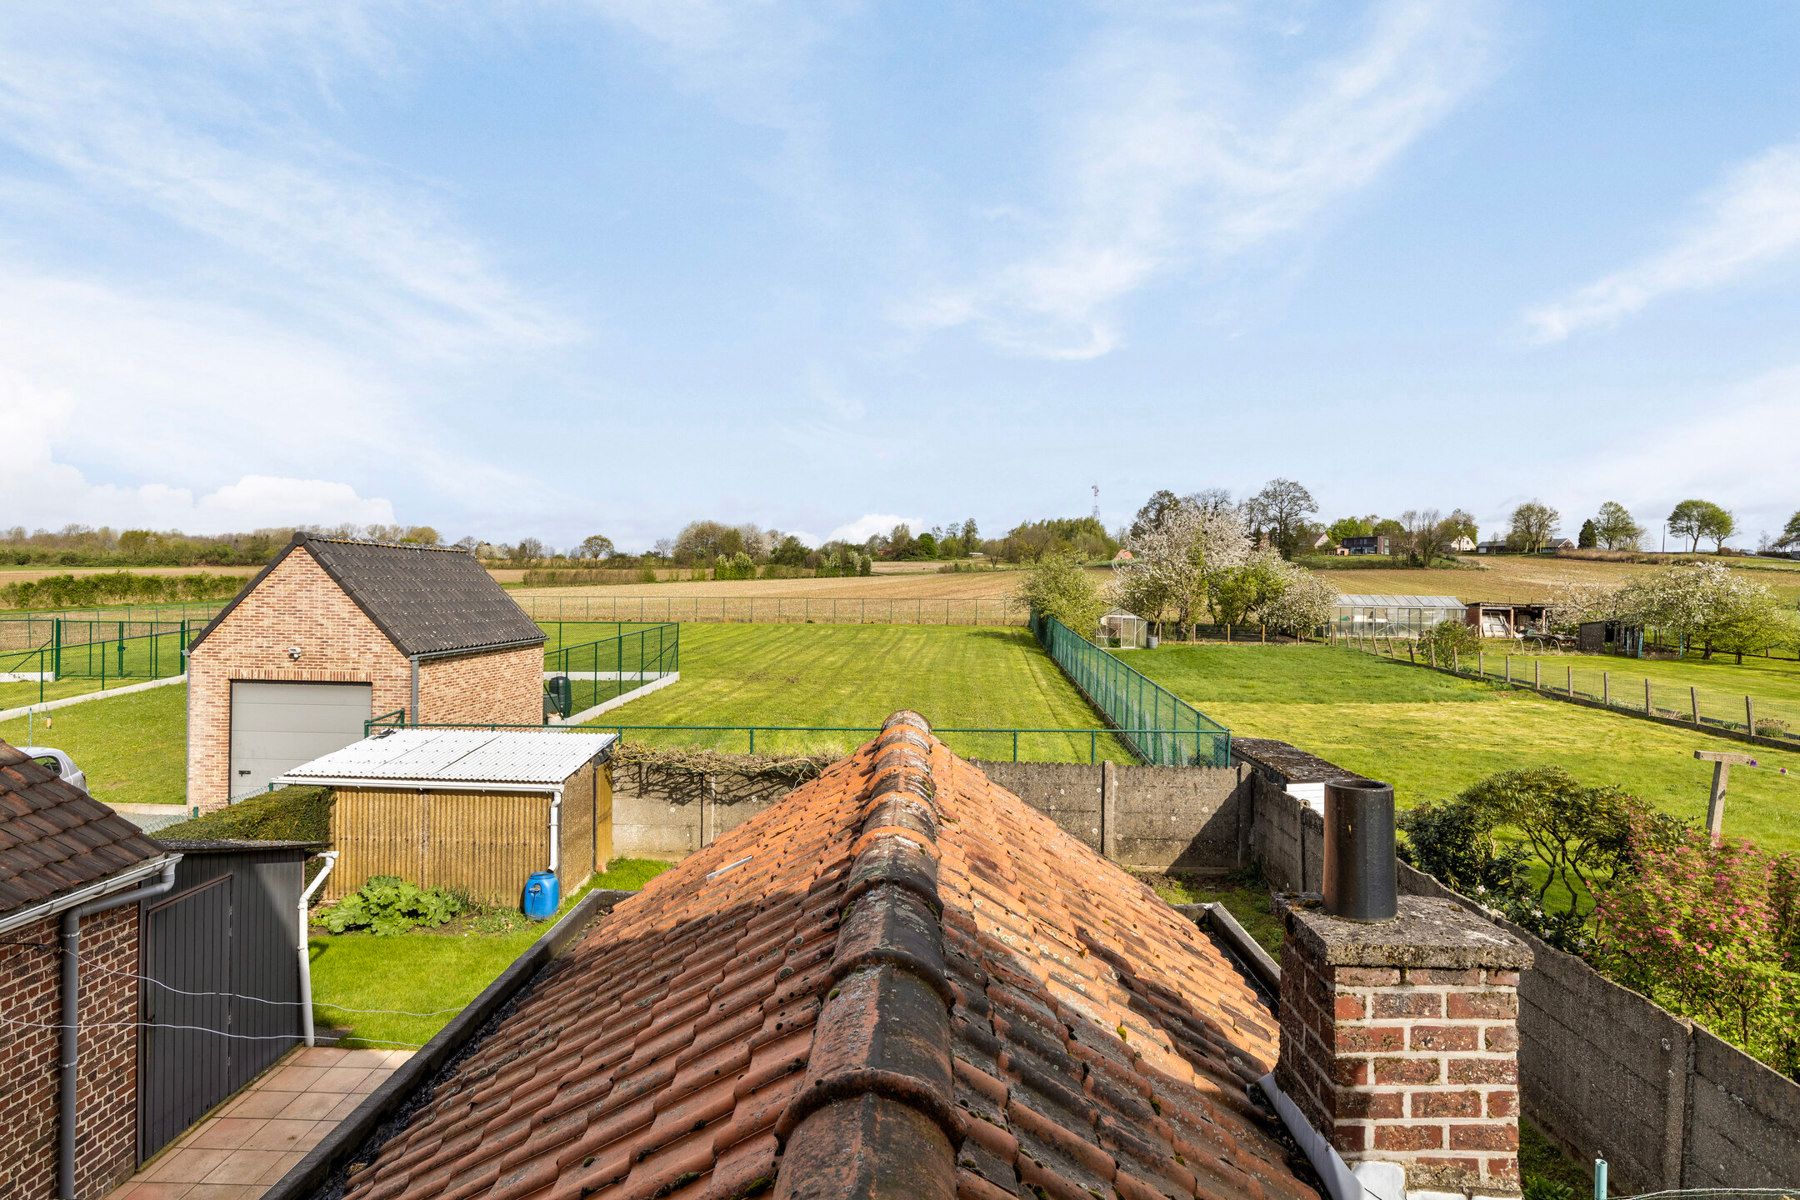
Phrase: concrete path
(253, 1139)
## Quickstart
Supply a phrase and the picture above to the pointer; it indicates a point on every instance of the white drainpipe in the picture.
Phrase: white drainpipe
(555, 827)
(306, 1011)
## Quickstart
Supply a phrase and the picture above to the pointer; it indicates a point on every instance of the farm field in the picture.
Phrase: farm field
(1720, 683)
(1432, 735)
(1516, 577)
(858, 676)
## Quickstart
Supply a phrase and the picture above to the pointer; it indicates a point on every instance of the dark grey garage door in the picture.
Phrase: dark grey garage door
(276, 726)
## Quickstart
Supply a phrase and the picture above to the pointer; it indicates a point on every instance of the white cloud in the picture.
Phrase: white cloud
(870, 524)
(1748, 222)
(1166, 159)
(213, 409)
(1714, 453)
(145, 108)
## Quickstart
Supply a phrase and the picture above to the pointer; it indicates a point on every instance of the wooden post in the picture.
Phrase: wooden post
(1479, 669)
(1509, 668)
(1722, 762)
(1749, 716)
(1569, 686)
(1648, 710)
(1605, 686)
(1537, 674)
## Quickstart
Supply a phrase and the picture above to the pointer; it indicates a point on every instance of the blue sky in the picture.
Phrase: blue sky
(561, 268)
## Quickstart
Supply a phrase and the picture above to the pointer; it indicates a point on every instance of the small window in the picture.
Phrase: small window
(50, 763)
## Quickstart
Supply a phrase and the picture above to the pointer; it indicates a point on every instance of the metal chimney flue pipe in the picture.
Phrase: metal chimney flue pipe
(1360, 881)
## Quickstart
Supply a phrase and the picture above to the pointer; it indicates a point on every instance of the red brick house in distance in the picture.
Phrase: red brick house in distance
(333, 632)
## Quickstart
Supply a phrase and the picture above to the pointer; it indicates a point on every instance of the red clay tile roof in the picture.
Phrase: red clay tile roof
(901, 981)
(54, 837)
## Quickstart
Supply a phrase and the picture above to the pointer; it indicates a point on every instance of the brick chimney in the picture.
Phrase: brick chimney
(1399, 1042)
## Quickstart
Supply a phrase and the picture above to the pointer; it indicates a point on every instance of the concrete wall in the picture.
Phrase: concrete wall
(1184, 819)
(1609, 1074)
(1603, 1071)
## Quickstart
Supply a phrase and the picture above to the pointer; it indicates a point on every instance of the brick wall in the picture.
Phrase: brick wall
(107, 1116)
(1409, 1064)
(501, 686)
(298, 604)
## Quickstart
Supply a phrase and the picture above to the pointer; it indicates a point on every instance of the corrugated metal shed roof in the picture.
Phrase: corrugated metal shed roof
(426, 599)
(1391, 601)
(458, 756)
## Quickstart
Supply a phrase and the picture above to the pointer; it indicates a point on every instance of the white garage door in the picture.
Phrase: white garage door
(275, 726)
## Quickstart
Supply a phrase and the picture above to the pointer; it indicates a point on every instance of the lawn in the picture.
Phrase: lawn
(858, 675)
(133, 747)
(1432, 735)
(1720, 683)
(422, 978)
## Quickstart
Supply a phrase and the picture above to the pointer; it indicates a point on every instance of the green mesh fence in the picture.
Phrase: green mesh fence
(1161, 727)
(604, 669)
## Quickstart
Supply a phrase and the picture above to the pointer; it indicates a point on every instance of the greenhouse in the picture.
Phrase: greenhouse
(1392, 616)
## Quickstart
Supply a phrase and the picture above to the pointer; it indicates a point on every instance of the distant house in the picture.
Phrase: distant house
(1375, 543)
(1322, 542)
(333, 633)
(1123, 556)
(1492, 547)
(1463, 544)
(1559, 544)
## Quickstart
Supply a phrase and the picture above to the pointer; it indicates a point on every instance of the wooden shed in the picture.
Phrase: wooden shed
(477, 812)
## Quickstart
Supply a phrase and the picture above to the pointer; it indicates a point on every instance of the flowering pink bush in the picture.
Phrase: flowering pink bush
(1710, 933)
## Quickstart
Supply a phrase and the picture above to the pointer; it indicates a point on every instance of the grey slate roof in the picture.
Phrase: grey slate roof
(426, 599)
(55, 838)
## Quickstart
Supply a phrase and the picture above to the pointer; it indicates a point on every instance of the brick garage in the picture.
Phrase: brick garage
(60, 852)
(333, 632)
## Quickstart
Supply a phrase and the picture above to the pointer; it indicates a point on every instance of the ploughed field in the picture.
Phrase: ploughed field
(1431, 735)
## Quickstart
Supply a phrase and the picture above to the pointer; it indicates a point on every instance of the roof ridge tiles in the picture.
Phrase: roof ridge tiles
(877, 1109)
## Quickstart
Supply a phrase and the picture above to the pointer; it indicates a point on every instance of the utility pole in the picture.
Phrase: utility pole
(1722, 762)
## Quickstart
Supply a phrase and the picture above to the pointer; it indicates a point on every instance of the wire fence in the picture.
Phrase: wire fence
(1159, 726)
(78, 657)
(775, 610)
(607, 668)
(1627, 691)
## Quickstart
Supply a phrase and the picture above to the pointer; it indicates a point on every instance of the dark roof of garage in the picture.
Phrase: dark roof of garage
(55, 838)
(426, 599)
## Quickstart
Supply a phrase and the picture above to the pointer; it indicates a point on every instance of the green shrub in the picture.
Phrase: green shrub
(1449, 642)
(290, 814)
(388, 904)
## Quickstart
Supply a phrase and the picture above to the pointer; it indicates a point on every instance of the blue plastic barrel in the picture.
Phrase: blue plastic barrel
(543, 895)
